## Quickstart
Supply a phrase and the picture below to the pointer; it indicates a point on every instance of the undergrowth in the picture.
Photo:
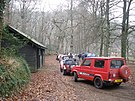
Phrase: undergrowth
(14, 71)
(14, 74)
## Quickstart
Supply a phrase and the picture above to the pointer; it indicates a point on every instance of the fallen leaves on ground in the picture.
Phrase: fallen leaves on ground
(46, 85)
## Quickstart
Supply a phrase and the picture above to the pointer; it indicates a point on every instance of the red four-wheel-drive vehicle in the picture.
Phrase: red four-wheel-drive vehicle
(102, 71)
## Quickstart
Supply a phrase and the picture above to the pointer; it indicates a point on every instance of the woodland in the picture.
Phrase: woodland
(103, 27)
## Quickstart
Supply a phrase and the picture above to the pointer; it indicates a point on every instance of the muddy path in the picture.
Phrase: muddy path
(48, 84)
(85, 91)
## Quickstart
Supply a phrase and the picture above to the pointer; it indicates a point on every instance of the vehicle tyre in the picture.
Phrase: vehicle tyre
(98, 83)
(64, 72)
(75, 77)
(124, 71)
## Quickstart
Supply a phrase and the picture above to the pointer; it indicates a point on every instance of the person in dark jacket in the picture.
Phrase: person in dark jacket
(70, 56)
(79, 56)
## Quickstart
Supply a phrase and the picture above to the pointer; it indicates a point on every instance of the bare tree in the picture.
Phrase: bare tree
(2, 8)
(85, 25)
(2, 4)
(71, 10)
(125, 27)
(102, 3)
(107, 42)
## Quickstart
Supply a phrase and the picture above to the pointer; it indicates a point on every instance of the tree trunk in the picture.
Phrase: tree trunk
(125, 25)
(101, 29)
(23, 17)
(71, 45)
(101, 45)
(7, 14)
(2, 6)
(107, 42)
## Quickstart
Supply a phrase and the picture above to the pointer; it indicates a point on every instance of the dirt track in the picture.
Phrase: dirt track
(85, 91)
(48, 84)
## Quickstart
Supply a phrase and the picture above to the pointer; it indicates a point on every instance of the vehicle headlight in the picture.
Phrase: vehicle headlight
(114, 75)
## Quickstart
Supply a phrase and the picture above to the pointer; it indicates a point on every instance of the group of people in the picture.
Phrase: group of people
(84, 55)
(64, 56)
(75, 56)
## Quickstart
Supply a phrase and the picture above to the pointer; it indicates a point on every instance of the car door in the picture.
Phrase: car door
(85, 71)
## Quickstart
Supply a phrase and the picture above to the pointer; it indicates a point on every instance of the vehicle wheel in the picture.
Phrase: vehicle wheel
(98, 83)
(64, 72)
(75, 77)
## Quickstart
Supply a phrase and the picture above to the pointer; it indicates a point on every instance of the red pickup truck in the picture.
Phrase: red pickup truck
(102, 71)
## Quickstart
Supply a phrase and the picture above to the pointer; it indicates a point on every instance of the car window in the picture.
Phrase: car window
(65, 57)
(69, 62)
(99, 63)
(86, 63)
(116, 63)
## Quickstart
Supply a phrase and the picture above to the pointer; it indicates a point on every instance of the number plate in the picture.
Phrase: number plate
(118, 80)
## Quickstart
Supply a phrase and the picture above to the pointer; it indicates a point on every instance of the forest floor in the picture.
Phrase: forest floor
(48, 84)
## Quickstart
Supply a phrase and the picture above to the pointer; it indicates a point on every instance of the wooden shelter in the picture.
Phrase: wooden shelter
(33, 51)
